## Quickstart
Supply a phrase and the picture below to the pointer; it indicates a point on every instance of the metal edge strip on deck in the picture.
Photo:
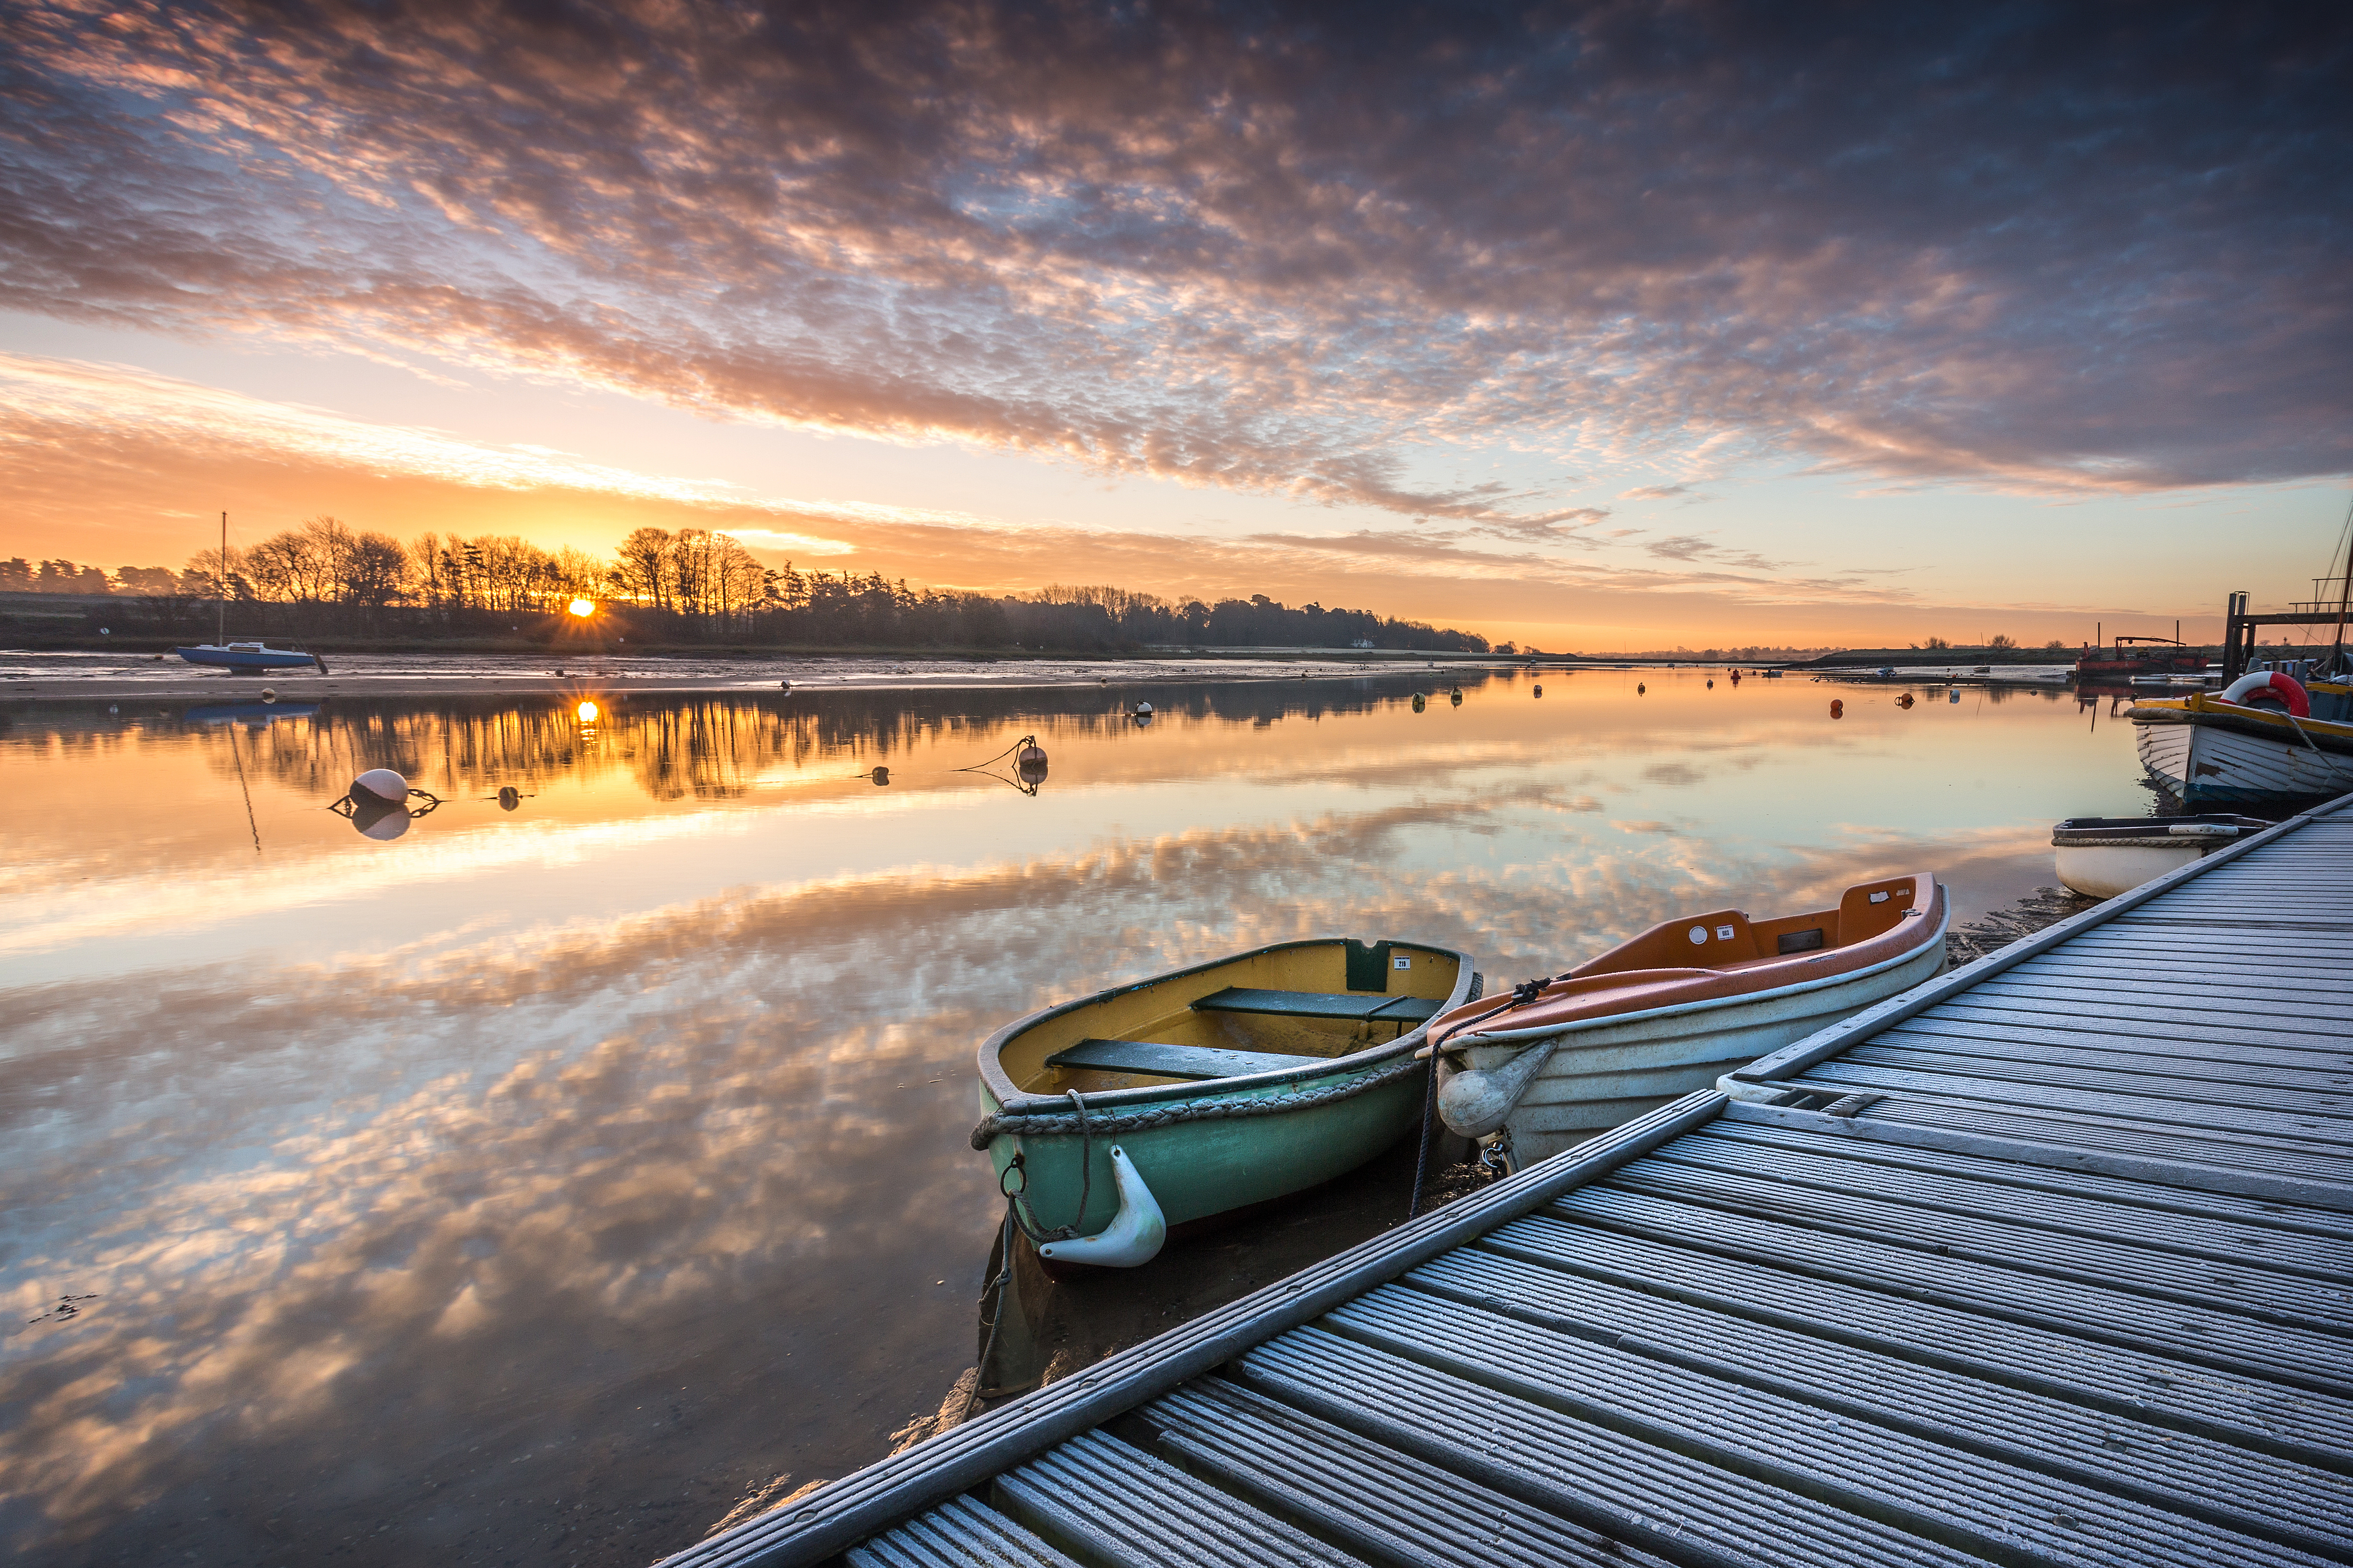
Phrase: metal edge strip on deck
(1764, 1075)
(2053, 1156)
(843, 1512)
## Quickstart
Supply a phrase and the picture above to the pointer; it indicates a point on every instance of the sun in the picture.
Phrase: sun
(582, 607)
(587, 711)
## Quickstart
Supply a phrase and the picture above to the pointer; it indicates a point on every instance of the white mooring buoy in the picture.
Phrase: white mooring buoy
(381, 784)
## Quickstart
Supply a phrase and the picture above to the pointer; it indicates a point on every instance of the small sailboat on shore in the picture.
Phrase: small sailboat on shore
(241, 657)
(1673, 1010)
(249, 656)
(1113, 1118)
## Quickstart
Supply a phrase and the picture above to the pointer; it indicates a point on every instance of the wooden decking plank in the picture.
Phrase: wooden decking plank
(1890, 1051)
(1927, 1033)
(2318, 1128)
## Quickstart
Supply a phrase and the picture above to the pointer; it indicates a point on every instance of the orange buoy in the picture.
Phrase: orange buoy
(1838, 709)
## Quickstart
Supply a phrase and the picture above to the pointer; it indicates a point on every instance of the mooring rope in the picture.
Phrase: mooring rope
(1144, 1120)
(2326, 761)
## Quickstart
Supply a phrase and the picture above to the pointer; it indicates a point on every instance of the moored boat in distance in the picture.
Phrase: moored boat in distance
(1207, 1090)
(2130, 657)
(249, 656)
(2100, 856)
(1673, 1010)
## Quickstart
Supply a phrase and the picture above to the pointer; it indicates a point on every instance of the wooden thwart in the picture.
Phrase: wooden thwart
(1173, 1061)
(1319, 1004)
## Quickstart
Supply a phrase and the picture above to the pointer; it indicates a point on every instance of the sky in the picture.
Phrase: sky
(1590, 327)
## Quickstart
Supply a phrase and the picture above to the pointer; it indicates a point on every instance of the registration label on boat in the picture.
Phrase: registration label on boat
(1401, 961)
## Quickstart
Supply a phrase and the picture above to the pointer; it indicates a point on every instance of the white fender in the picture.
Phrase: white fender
(1135, 1233)
(1475, 1103)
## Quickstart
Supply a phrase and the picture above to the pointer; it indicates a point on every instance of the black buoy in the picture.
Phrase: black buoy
(1420, 703)
(1640, 688)
(881, 775)
(1540, 691)
(509, 797)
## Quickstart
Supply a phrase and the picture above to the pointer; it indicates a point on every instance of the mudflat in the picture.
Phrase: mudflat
(84, 677)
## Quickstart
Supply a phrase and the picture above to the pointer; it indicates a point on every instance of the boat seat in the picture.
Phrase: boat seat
(1173, 1061)
(1320, 1005)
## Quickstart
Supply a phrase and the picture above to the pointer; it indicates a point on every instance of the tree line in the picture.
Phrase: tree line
(326, 579)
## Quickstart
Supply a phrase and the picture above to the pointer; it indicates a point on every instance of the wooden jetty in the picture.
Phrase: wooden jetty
(2048, 1260)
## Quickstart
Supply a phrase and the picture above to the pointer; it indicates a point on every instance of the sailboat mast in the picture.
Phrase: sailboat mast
(2344, 596)
(220, 581)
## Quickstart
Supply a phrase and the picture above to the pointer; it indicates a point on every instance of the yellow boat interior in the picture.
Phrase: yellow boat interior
(1292, 1005)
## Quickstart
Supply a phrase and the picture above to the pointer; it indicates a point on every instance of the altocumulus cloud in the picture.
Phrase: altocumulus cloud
(2095, 246)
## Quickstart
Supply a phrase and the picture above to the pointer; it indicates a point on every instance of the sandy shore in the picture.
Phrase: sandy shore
(84, 678)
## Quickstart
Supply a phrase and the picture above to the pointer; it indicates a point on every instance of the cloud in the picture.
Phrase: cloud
(1695, 547)
(1654, 492)
(2043, 250)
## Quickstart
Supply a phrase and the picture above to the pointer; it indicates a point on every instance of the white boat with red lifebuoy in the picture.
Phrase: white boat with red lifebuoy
(2266, 740)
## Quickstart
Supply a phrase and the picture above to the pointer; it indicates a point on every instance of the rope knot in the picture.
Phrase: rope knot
(1525, 991)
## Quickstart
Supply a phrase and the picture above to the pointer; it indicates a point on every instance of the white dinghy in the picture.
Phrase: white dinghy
(1671, 1011)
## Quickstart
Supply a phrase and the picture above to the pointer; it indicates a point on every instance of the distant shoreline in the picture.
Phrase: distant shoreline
(141, 677)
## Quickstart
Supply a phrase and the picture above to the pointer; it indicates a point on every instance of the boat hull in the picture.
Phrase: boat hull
(2205, 761)
(1206, 1148)
(1610, 1071)
(1197, 1169)
(244, 658)
(2104, 870)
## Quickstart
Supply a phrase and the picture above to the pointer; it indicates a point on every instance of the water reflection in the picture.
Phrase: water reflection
(540, 1184)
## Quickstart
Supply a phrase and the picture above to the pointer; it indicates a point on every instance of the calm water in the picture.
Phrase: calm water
(534, 1187)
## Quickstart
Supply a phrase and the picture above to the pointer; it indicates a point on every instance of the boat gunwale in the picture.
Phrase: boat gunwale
(2152, 832)
(2257, 723)
(1012, 1101)
(1524, 1038)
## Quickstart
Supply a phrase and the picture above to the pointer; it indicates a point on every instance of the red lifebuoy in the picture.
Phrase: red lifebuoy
(2269, 689)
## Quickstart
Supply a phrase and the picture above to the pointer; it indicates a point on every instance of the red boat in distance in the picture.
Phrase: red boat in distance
(2129, 657)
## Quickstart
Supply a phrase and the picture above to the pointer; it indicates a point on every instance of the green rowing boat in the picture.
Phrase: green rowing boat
(1207, 1090)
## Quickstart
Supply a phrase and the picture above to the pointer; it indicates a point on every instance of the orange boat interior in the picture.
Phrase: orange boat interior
(1724, 954)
